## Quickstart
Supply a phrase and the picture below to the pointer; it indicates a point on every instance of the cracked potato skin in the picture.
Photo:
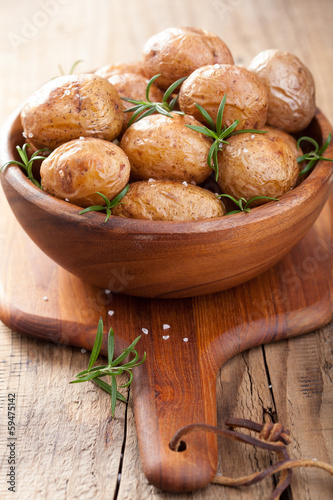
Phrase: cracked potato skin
(161, 147)
(290, 86)
(177, 52)
(70, 107)
(77, 169)
(257, 165)
(246, 95)
(168, 201)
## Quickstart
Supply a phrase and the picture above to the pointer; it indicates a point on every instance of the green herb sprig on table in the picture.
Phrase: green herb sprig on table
(314, 155)
(26, 164)
(243, 204)
(218, 133)
(109, 205)
(112, 369)
(148, 107)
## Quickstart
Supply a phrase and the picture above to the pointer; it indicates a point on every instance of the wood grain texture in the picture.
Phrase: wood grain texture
(80, 30)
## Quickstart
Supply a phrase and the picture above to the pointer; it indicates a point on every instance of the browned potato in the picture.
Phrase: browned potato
(177, 52)
(246, 95)
(79, 168)
(70, 107)
(161, 147)
(168, 200)
(287, 138)
(134, 86)
(291, 89)
(119, 69)
(257, 165)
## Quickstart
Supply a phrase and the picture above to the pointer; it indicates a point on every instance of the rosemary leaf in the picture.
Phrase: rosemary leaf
(97, 344)
(113, 394)
(110, 346)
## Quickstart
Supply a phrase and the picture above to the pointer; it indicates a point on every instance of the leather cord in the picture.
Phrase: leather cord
(272, 437)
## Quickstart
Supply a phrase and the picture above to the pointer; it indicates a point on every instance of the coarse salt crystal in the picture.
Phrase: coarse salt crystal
(216, 194)
(166, 337)
(185, 339)
(144, 330)
(24, 135)
(110, 313)
(252, 136)
(151, 180)
(31, 134)
(269, 387)
(83, 351)
(81, 138)
(66, 199)
(166, 327)
(107, 291)
(185, 183)
(245, 150)
(194, 183)
(45, 298)
(67, 92)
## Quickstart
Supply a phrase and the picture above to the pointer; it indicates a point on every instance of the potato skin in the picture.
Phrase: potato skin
(257, 165)
(70, 107)
(133, 86)
(290, 86)
(177, 52)
(77, 169)
(168, 201)
(287, 138)
(119, 69)
(161, 147)
(246, 95)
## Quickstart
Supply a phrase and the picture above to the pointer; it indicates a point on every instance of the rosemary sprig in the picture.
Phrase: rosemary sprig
(314, 155)
(26, 164)
(241, 201)
(62, 73)
(109, 204)
(112, 369)
(218, 133)
(148, 107)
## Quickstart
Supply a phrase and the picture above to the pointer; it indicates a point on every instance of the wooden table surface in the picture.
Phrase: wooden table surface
(68, 446)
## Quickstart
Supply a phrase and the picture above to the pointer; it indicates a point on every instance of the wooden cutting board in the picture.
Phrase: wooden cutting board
(176, 385)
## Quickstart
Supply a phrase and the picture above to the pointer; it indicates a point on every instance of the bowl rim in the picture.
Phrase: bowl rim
(319, 176)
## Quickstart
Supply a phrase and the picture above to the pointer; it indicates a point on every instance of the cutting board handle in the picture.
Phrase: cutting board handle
(160, 411)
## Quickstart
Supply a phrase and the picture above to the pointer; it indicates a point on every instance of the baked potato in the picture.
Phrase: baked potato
(119, 69)
(161, 147)
(246, 95)
(177, 52)
(257, 165)
(168, 201)
(70, 107)
(287, 138)
(290, 86)
(76, 170)
(134, 86)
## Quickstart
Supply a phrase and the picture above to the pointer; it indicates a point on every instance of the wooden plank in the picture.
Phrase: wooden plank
(301, 376)
(66, 429)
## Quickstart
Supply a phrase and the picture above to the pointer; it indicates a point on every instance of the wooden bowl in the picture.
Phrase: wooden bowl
(165, 259)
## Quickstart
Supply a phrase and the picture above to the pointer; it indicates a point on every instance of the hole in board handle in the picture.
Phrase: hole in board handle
(181, 447)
